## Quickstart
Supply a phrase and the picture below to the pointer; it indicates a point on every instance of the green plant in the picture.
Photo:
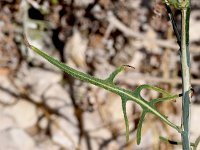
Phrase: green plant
(184, 7)
(178, 4)
(128, 95)
(125, 94)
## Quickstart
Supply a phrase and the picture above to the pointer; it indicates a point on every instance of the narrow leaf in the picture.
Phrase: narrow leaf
(125, 117)
(139, 129)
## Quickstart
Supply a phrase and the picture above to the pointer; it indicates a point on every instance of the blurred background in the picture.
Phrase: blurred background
(41, 108)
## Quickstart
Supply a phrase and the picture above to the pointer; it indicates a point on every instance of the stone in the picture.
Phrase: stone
(6, 121)
(23, 112)
(16, 139)
(64, 133)
(7, 88)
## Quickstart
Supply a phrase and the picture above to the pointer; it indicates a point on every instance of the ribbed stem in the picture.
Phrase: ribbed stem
(185, 65)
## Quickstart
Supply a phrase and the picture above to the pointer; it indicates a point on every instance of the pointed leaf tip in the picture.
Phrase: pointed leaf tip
(125, 118)
(139, 129)
(114, 74)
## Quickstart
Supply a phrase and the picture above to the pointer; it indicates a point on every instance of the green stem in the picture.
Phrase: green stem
(185, 65)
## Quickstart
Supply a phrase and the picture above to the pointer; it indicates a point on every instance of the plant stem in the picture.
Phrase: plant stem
(185, 65)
